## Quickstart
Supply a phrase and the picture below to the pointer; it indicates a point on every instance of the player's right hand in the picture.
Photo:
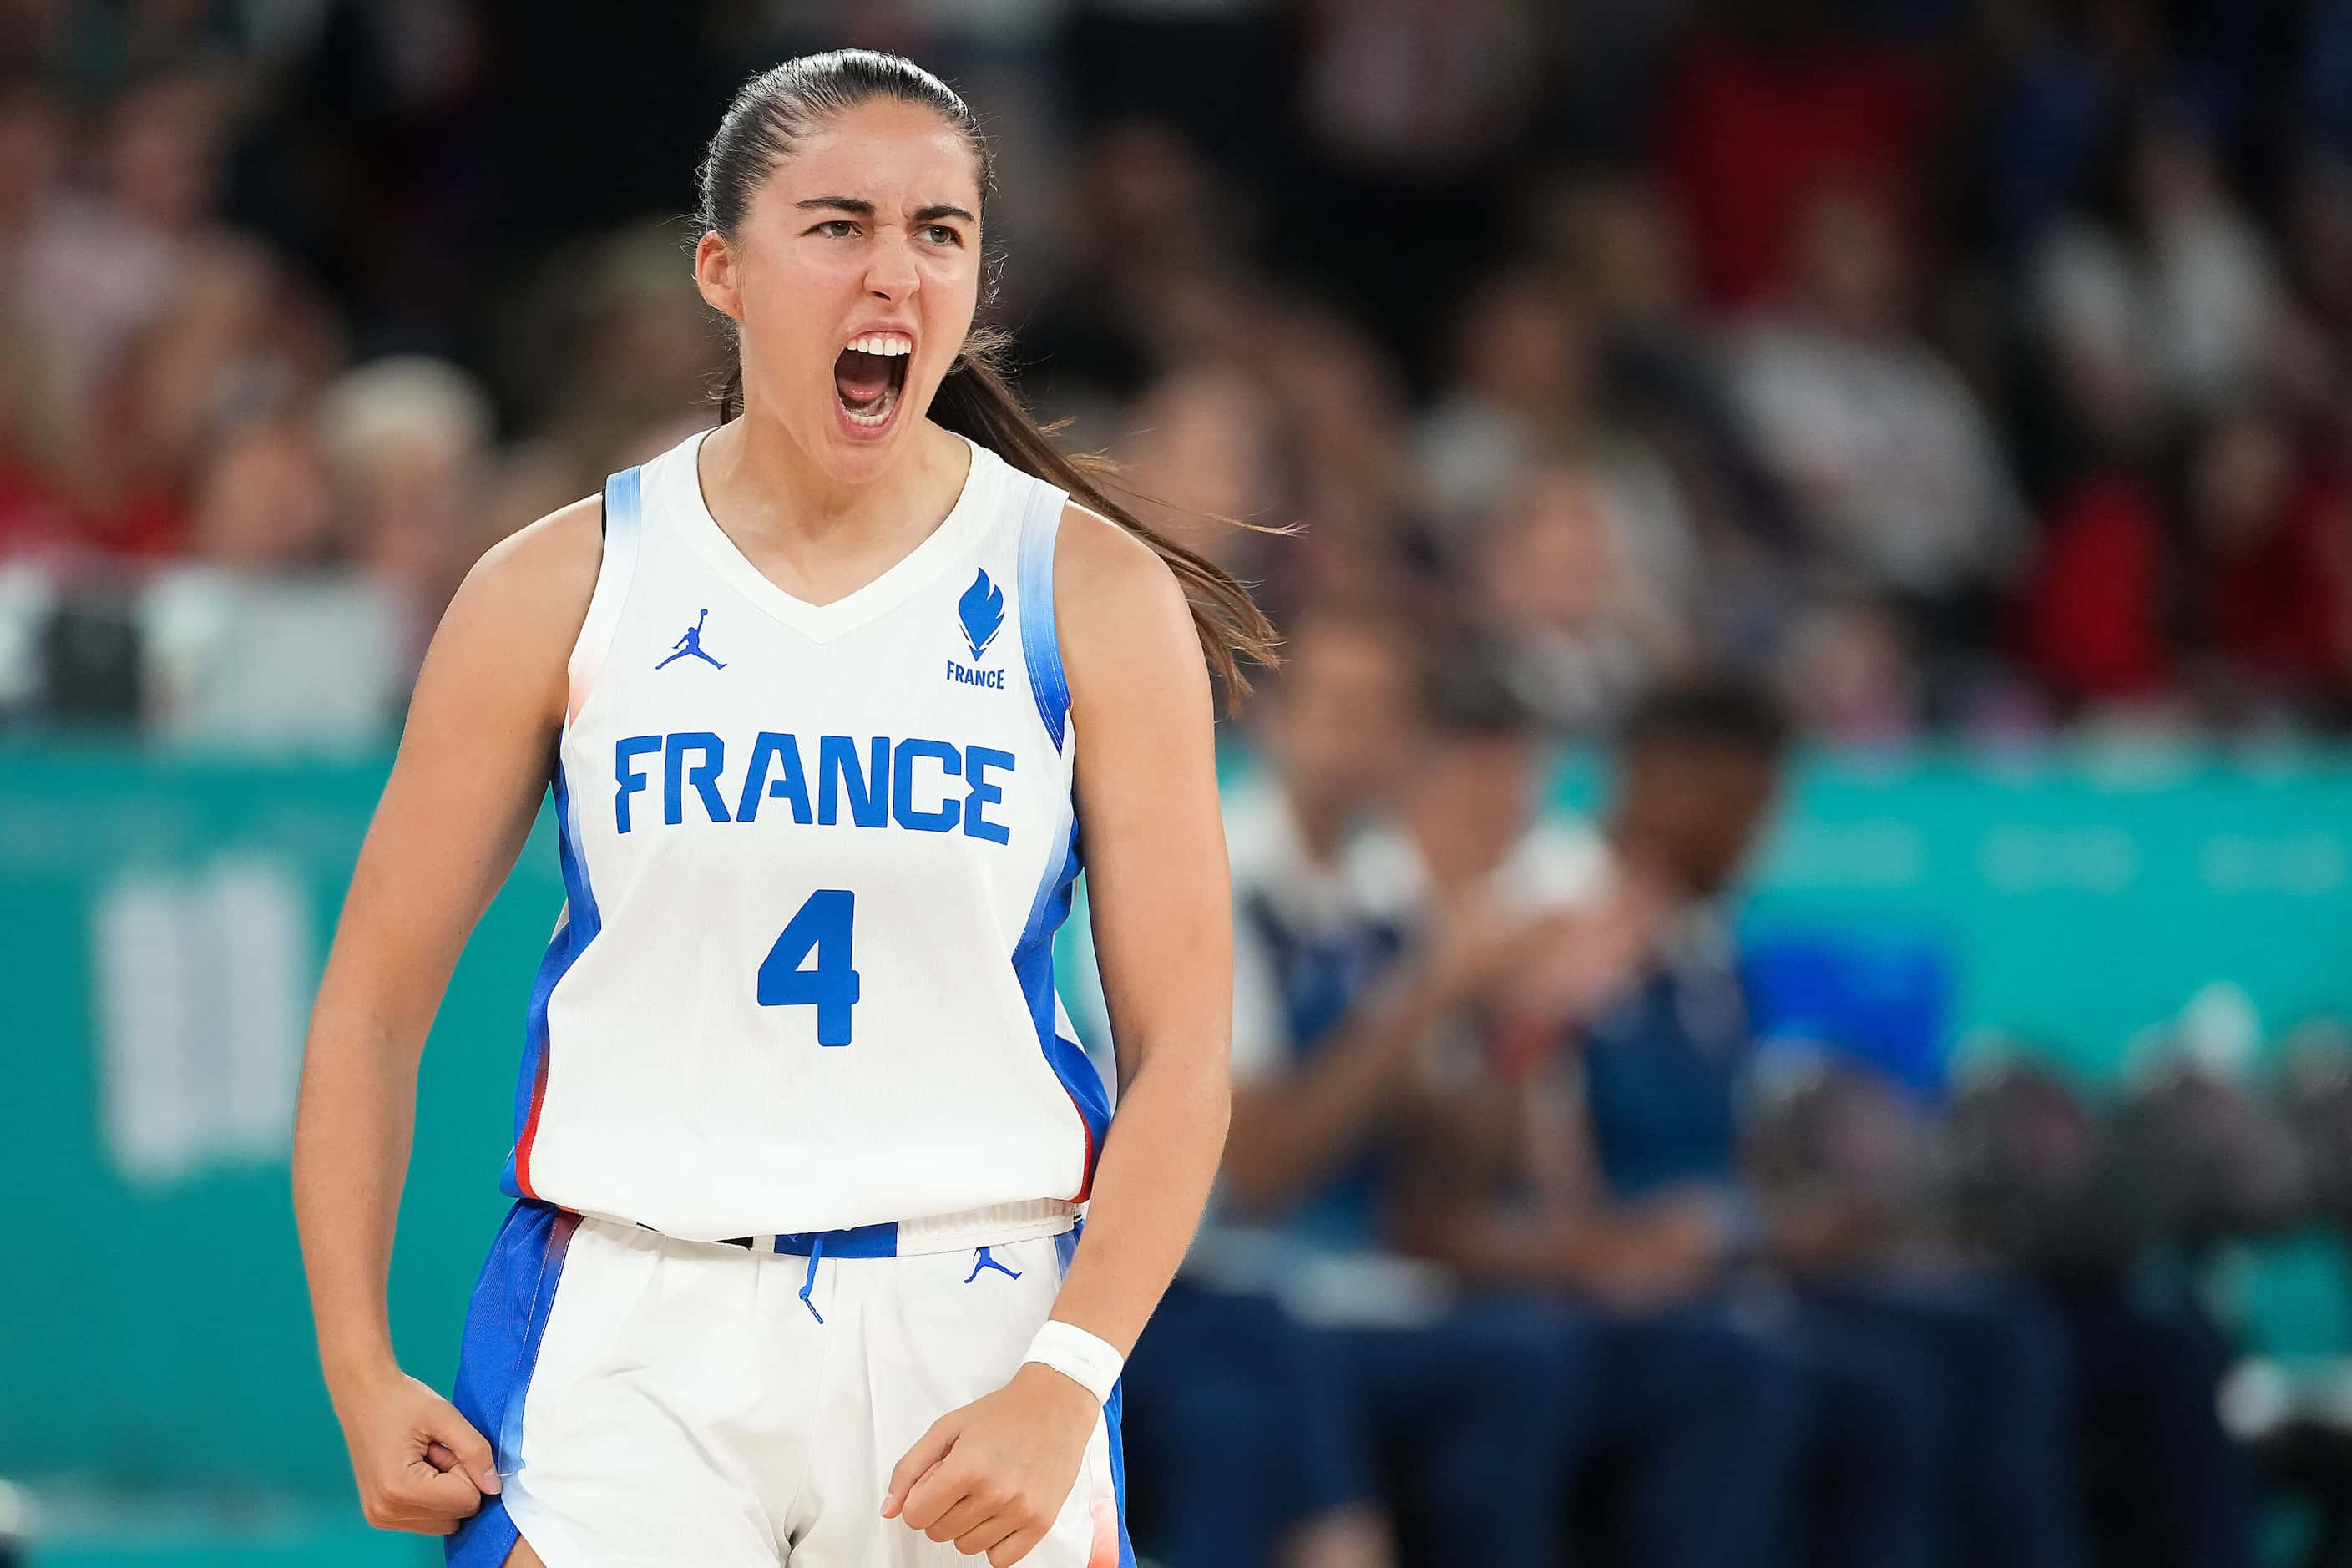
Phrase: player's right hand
(420, 1465)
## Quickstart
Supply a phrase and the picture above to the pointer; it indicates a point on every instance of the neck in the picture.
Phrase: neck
(772, 486)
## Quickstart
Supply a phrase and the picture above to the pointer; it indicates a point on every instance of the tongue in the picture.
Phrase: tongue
(861, 378)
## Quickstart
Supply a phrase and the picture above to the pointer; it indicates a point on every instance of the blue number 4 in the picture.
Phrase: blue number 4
(824, 923)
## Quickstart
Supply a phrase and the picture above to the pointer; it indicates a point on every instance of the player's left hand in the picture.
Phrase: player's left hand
(992, 1476)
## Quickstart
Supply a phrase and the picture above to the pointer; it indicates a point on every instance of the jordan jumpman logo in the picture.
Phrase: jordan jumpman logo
(690, 645)
(985, 1261)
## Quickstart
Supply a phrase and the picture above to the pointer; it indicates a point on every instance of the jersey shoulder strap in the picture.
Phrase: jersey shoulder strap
(1041, 647)
(622, 527)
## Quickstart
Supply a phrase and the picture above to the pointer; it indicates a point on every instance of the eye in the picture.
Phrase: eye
(834, 229)
(940, 234)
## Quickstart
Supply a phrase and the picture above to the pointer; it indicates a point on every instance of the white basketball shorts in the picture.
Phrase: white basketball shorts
(659, 1402)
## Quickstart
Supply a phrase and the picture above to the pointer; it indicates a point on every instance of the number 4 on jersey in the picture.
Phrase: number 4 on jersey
(824, 923)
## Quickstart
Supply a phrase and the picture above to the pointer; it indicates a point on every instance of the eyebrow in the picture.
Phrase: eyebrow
(862, 208)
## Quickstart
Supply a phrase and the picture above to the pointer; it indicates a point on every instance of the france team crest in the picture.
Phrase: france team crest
(981, 611)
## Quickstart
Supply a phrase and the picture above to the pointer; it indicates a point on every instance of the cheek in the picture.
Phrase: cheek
(786, 319)
(949, 299)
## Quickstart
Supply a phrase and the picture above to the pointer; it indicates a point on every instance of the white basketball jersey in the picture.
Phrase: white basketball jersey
(814, 857)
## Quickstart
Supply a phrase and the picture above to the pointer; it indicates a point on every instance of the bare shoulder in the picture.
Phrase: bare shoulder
(548, 566)
(1114, 600)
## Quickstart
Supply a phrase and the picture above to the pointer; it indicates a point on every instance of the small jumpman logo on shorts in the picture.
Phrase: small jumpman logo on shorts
(985, 1261)
(690, 645)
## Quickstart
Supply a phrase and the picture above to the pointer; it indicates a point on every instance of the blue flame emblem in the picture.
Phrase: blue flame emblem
(982, 610)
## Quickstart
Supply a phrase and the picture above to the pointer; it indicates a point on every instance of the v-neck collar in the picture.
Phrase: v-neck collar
(822, 623)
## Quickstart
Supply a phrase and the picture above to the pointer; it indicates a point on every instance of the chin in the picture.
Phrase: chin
(851, 450)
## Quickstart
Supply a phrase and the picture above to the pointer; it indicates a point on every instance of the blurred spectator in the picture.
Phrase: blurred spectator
(1615, 233)
(1347, 469)
(34, 515)
(236, 343)
(1601, 342)
(1522, 383)
(1382, 271)
(1850, 671)
(1418, 87)
(1936, 1403)
(1197, 457)
(2319, 243)
(2269, 539)
(1332, 1010)
(407, 441)
(262, 504)
(1527, 389)
(609, 340)
(2097, 616)
(2180, 276)
(33, 141)
(2103, 1212)
(1690, 1414)
(1895, 469)
(1152, 271)
(1588, 616)
(1767, 105)
(104, 255)
(1239, 1445)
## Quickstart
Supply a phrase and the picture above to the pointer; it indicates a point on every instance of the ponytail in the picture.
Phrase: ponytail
(975, 401)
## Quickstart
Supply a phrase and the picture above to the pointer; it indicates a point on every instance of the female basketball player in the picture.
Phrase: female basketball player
(825, 695)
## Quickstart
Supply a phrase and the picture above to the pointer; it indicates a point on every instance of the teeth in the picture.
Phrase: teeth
(882, 410)
(882, 344)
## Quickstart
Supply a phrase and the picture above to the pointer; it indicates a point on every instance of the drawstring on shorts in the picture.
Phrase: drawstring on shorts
(816, 1255)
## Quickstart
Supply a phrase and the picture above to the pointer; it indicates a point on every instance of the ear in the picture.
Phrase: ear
(714, 275)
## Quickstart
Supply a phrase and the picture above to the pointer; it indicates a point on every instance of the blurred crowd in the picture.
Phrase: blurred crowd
(1979, 367)
(1538, 1240)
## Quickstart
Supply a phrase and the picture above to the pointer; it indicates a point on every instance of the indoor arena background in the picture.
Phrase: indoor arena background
(1973, 378)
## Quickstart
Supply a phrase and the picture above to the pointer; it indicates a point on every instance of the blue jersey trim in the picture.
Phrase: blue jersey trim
(622, 524)
(1041, 647)
(1066, 1249)
(582, 921)
(621, 501)
(1114, 1411)
(1032, 969)
(859, 1241)
(505, 1323)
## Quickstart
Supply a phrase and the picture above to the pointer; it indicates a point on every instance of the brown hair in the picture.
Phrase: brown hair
(975, 400)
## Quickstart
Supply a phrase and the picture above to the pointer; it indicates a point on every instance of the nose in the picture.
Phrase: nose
(890, 267)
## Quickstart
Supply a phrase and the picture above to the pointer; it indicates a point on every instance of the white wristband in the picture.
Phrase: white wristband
(1080, 1356)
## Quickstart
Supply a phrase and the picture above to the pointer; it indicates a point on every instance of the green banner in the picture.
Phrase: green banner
(166, 918)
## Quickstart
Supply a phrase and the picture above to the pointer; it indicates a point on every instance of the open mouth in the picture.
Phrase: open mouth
(868, 377)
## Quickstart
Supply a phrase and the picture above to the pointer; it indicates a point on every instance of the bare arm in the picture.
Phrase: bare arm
(472, 767)
(996, 1470)
(1155, 845)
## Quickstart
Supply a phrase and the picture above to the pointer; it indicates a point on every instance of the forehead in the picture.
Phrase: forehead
(899, 157)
